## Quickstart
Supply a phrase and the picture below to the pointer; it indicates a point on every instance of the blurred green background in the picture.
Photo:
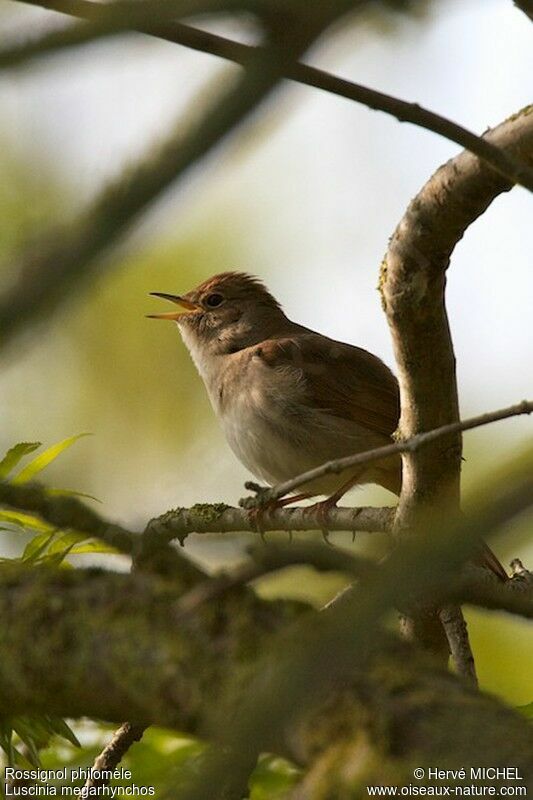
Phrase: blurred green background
(306, 197)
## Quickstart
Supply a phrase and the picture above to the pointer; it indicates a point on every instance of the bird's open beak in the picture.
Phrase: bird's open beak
(186, 306)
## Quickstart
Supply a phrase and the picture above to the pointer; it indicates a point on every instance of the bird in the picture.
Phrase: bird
(289, 399)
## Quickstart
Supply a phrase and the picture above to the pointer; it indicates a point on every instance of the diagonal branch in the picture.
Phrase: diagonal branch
(111, 756)
(63, 511)
(55, 267)
(515, 170)
(411, 445)
(481, 588)
(413, 281)
(413, 292)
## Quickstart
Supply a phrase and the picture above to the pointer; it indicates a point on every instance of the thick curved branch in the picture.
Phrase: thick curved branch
(206, 42)
(412, 288)
(413, 280)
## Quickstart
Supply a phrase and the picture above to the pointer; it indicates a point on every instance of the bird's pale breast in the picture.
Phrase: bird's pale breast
(272, 428)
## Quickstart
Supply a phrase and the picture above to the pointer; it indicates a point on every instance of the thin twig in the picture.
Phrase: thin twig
(454, 625)
(111, 756)
(506, 164)
(408, 446)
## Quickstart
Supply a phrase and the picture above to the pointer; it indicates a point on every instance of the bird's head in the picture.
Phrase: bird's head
(224, 314)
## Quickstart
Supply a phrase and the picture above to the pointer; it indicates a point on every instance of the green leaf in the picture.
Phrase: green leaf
(37, 546)
(75, 543)
(71, 493)
(44, 459)
(67, 539)
(35, 734)
(93, 547)
(6, 739)
(60, 728)
(56, 559)
(273, 778)
(23, 520)
(32, 753)
(14, 455)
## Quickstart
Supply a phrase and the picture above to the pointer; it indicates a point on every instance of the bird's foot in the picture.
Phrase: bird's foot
(261, 506)
(320, 512)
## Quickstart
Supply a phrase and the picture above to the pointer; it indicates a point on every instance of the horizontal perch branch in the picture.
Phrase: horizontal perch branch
(407, 446)
(67, 512)
(206, 42)
(219, 518)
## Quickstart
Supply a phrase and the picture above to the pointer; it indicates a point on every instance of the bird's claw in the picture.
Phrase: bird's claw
(262, 496)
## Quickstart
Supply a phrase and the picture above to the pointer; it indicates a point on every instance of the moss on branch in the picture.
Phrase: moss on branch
(110, 646)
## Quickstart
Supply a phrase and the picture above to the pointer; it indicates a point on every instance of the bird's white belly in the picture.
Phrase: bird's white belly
(276, 434)
(260, 445)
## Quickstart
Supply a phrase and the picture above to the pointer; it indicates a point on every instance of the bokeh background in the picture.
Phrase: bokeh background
(305, 196)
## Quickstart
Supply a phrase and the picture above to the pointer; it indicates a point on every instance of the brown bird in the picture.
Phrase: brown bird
(288, 399)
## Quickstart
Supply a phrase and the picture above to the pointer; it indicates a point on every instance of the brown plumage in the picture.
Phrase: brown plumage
(288, 399)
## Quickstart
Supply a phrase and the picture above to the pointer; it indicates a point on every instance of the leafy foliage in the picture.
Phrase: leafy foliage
(14, 455)
(22, 738)
(163, 758)
(43, 459)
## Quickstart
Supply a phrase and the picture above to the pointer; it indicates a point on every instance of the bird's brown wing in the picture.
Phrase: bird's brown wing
(343, 380)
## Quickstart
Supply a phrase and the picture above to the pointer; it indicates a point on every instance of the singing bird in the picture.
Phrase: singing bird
(288, 399)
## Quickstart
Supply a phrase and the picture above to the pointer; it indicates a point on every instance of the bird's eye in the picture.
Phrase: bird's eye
(213, 300)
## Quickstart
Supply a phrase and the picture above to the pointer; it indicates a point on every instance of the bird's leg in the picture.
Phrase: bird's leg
(285, 501)
(323, 508)
(257, 513)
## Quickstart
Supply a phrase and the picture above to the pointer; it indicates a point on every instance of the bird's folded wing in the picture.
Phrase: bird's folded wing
(344, 380)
